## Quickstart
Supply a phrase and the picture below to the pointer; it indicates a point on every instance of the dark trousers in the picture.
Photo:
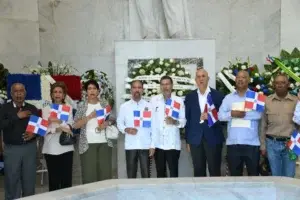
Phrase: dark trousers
(132, 158)
(238, 155)
(20, 170)
(59, 170)
(205, 153)
(171, 157)
(96, 163)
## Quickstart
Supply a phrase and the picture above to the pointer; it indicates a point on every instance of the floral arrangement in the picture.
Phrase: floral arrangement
(53, 68)
(150, 71)
(259, 82)
(3, 82)
(288, 63)
(106, 86)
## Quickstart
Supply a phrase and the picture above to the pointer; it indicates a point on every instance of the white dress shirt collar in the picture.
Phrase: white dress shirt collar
(207, 91)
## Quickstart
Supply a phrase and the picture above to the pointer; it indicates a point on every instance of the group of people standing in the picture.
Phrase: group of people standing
(159, 140)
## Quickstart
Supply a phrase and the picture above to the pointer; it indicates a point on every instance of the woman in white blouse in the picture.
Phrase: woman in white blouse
(59, 158)
(95, 148)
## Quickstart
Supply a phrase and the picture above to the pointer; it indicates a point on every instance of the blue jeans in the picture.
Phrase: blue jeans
(279, 160)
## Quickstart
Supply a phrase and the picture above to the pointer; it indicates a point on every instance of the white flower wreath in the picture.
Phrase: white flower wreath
(150, 72)
(106, 91)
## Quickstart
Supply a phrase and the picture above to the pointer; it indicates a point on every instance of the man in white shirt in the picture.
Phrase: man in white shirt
(136, 125)
(168, 117)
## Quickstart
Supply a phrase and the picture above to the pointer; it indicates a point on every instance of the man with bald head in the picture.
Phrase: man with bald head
(243, 137)
(204, 142)
(19, 146)
(277, 126)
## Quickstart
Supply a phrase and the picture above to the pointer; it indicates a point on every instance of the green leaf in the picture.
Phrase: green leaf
(295, 53)
(284, 54)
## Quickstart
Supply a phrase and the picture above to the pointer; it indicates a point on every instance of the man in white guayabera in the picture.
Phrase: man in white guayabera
(175, 12)
(134, 120)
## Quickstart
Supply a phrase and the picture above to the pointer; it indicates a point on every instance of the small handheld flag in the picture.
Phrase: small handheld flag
(103, 114)
(60, 112)
(144, 120)
(172, 108)
(212, 113)
(294, 143)
(37, 125)
(255, 101)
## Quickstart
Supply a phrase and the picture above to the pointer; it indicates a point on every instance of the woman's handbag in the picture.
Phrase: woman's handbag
(67, 138)
(111, 132)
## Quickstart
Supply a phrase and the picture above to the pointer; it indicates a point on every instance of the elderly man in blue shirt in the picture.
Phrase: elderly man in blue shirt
(243, 137)
(296, 117)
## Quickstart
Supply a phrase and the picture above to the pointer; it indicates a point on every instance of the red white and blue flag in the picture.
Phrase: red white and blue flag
(103, 114)
(212, 113)
(60, 112)
(37, 125)
(255, 101)
(294, 143)
(172, 108)
(142, 121)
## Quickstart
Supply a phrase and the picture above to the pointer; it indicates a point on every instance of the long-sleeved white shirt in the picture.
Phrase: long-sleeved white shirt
(296, 117)
(165, 136)
(143, 138)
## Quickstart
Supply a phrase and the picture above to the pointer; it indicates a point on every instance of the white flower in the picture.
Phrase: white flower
(297, 74)
(167, 64)
(137, 66)
(258, 87)
(161, 62)
(177, 66)
(158, 70)
(161, 59)
(180, 93)
(171, 60)
(151, 62)
(256, 74)
(243, 67)
(173, 69)
(230, 71)
(297, 84)
(133, 73)
(142, 71)
(268, 73)
(61, 66)
(151, 73)
(251, 80)
(296, 68)
(187, 73)
(164, 73)
(154, 91)
(292, 86)
(180, 73)
(149, 93)
(173, 74)
(260, 92)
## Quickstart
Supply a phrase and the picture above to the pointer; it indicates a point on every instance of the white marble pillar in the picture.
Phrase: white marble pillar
(19, 44)
(290, 24)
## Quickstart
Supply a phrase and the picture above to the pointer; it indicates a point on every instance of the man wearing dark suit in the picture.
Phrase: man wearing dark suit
(203, 142)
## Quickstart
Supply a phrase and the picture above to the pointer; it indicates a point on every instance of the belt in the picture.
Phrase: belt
(280, 139)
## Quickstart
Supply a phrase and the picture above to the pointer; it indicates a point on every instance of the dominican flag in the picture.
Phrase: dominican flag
(142, 121)
(212, 113)
(60, 112)
(294, 143)
(37, 125)
(172, 108)
(255, 101)
(103, 114)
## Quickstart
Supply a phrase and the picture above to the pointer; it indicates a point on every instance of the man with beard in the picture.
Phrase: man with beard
(204, 142)
(277, 126)
(19, 146)
(168, 117)
(138, 139)
(242, 140)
